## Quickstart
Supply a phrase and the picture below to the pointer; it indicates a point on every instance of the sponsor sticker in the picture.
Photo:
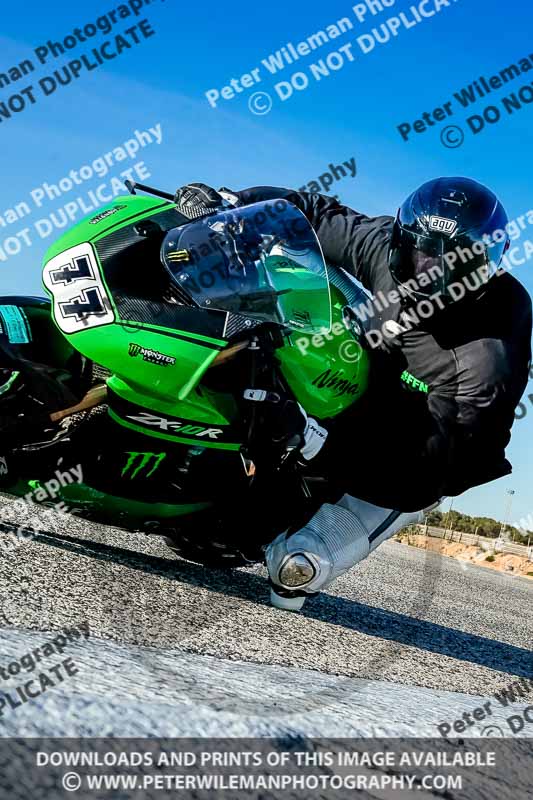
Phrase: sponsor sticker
(443, 225)
(143, 464)
(15, 324)
(104, 214)
(151, 356)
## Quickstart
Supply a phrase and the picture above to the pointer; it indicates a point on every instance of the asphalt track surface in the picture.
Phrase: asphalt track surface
(403, 642)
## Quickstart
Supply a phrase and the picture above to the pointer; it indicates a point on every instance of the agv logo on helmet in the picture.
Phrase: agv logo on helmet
(442, 225)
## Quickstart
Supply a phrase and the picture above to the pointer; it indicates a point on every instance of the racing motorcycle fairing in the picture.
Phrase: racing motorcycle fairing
(172, 428)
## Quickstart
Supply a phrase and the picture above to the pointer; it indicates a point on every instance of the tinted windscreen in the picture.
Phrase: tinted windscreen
(262, 262)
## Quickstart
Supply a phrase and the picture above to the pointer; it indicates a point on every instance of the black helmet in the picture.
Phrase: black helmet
(449, 231)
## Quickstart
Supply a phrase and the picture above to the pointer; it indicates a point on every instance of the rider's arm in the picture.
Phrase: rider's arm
(414, 447)
(348, 238)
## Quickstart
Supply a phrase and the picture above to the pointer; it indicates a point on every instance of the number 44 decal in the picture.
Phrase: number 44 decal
(79, 295)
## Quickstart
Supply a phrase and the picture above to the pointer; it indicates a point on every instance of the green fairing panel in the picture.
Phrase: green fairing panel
(110, 510)
(155, 366)
(210, 414)
(161, 369)
(327, 372)
(201, 405)
(114, 215)
(158, 370)
(128, 353)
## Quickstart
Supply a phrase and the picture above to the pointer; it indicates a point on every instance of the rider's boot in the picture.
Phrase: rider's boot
(333, 541)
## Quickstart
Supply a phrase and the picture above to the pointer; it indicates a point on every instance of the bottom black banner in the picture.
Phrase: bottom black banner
(266, 768)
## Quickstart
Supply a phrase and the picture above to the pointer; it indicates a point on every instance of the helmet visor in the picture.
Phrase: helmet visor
(425, 264)
(428, 265)
(262, 262)
(419, 263)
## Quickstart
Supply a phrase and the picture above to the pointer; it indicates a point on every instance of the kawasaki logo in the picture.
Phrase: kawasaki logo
(153, 356)
(336, 382)
(105, 214)
(139, 461)
(174, 427)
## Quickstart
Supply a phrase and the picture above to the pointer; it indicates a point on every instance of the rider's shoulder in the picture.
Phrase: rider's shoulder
(506, 290)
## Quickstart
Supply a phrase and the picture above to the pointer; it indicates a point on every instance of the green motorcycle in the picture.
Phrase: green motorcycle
(172, 332)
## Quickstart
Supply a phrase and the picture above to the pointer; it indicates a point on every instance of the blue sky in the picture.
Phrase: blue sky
(352, 113)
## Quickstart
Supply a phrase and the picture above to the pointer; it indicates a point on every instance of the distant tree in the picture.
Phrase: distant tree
(435, 518)
(519, 537)
(483, 526)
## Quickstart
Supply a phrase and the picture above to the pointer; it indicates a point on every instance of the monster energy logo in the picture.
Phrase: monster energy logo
(178, 255)
(144, 460)
(153, 356)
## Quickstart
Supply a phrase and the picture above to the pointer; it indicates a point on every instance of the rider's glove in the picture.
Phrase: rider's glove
(197, 200)
(282, 426)
(314, 438)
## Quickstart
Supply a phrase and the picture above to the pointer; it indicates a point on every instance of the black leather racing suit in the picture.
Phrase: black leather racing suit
(406, 449)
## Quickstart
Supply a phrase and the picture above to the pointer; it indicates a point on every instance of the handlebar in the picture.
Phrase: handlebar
(132, 187)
